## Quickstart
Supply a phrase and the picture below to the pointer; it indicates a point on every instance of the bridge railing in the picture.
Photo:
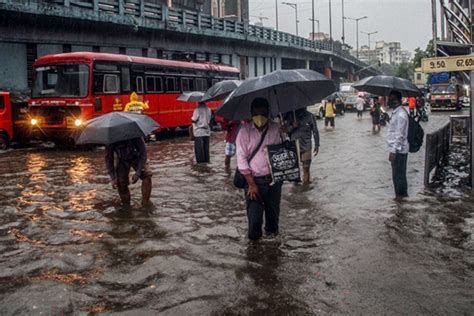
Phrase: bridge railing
(437, 146)
(190, 19)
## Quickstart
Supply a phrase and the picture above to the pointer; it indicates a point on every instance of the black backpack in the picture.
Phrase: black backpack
(415, 133)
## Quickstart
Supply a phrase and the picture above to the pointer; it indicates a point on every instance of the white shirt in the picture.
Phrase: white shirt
(397, 133)
(201, 119)
(360, 104)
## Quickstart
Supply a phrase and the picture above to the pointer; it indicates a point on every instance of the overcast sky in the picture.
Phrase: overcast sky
(404, 21)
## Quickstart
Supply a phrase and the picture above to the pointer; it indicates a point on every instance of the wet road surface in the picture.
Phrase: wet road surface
(346, 247)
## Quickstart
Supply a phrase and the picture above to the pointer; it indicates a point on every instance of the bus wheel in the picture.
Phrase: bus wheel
(4, 142)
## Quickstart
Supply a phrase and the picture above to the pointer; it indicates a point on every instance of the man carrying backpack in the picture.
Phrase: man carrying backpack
(397, 139)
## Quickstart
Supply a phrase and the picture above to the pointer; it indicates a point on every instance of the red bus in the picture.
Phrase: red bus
(13, 119)
(71, 88)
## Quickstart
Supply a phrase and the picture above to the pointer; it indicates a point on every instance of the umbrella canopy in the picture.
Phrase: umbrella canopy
(193, 96)
(383, 85)
(335, 95)
(286, 90)
(116, 126)
(220, 90)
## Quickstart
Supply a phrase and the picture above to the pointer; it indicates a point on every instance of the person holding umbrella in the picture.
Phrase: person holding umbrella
(123, 134)
(397, 135)
(120, 158)
(259, 99)
(202, 131)
(397, 139)
(262, 196)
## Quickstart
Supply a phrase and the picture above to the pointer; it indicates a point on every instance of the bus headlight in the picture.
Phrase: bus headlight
(78, 122)
(34, 121)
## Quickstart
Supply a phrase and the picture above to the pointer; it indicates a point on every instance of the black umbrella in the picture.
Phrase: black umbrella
(116, 126)
(220, 90)
(335, 95)
(286, 90)
(383, 85)
(193, 96)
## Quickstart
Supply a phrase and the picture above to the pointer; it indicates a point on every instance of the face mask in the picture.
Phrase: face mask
(259, 120)
(392, 104)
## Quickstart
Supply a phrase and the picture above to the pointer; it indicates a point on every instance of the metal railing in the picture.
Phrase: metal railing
(187, 20)
(437, 146)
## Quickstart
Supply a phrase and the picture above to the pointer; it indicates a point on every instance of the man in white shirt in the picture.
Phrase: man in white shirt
(360, 103)
(397, 139)
(201, 130)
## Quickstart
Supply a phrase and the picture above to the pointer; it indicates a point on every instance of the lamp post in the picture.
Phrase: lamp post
(330, 21)
(276, 14)
(317, 21)
(357, 30)
(343, 34)
(368, 35)
(294, 6)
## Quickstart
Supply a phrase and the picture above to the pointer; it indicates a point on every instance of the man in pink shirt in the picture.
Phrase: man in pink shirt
(261, 197)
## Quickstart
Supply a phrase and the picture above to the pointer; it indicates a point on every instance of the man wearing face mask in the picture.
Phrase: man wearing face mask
(261, 197)
(397, 139)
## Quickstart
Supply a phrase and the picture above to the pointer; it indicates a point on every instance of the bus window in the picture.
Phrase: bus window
(201, 84)
(2, 102)
(187, 84)
(154, 84)
(171, 84)
(125, 76)
(139, 84)
(111, 84)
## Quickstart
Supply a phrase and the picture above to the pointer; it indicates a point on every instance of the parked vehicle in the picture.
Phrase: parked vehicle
(71, 88)
(13, 120)
(349, 103)
(317, 110)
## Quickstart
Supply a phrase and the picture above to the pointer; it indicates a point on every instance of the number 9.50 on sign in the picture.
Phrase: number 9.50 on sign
(452, 63)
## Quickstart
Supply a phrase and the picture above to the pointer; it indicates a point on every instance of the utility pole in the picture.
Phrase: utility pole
(276, 14)
(330, 20)
(435, 26)
(261, 18)
(343, 34)
(357, 30)
(368, 35)
(294, 6)
(312, 21)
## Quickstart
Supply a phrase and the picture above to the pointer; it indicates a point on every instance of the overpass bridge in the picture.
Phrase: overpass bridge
(33, 28)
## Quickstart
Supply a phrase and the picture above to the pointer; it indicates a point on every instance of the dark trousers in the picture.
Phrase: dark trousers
(329, 120)
(268, 202)
(359, 113)
(201, 148)
(399, 175)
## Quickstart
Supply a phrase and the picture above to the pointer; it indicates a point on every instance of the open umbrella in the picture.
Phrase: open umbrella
(383, 85)
(116, 126)
(193, 96)
(335, 95)
(220, 90)
(286, 90)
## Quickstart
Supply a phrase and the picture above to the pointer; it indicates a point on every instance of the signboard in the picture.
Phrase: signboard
(284, 161)
(447, 64)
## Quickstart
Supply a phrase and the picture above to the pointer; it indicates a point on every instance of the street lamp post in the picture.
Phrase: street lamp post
(276, 14)
(317, 21)
(294, 6)
(357, 30)
(368, 35)
(343, 34)
(314, 40)
(330, 21)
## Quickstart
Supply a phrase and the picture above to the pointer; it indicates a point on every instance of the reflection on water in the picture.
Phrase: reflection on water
(346, 247)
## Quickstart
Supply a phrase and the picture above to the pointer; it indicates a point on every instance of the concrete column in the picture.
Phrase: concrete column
(328, 72)
(307, 64)
(350, 76)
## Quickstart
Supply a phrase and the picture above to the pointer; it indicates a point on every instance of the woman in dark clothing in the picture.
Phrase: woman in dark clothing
(375, 112)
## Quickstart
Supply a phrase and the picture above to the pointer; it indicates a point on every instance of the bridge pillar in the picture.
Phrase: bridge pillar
(328, 72)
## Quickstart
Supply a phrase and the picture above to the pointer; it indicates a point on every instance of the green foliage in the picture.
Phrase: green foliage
(405, 70)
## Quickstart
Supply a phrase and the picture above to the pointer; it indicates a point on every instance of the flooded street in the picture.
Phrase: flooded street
(345, 245)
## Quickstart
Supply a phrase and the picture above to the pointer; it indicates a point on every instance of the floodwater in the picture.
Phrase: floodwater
(346, 246)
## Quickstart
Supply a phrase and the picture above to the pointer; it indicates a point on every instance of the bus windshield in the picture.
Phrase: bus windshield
(443, 89)
(69, 80)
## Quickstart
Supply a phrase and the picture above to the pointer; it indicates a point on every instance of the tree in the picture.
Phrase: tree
(405, 70)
